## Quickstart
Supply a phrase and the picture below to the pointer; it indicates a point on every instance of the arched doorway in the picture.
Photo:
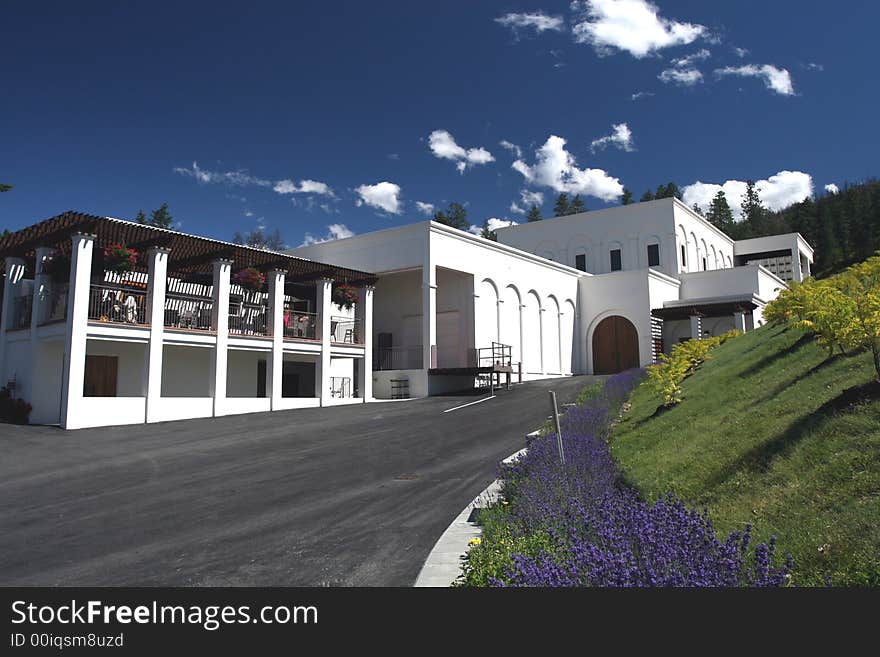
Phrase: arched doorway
(615, 346)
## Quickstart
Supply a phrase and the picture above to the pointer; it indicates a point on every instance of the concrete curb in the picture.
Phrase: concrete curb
(443, 565)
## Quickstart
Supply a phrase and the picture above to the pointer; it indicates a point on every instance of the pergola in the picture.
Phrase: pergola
(190, 255)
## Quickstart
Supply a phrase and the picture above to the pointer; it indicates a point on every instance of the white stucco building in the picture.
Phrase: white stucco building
(176, 337)
(591, 293)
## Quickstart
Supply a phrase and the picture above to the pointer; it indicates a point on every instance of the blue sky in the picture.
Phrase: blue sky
(328, 119)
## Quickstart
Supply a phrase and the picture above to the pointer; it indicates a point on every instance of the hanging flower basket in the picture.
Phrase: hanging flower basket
(345, 296)
(250, 278)
(120, 258)
(57, 266)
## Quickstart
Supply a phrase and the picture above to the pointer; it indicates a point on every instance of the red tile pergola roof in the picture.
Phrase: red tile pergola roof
(189, 254)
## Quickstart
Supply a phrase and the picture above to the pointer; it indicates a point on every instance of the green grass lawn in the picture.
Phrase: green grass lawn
(766, 436)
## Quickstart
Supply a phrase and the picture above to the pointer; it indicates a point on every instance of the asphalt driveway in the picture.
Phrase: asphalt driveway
(353, 495)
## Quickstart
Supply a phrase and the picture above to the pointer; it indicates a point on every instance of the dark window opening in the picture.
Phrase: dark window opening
(704, 265)
(615, 260)
(653, 255)
(683, 257)
(580, 262)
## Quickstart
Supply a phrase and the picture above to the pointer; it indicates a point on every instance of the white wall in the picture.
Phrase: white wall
(186, 371)
(17, 363)
(49, 365)
(241, 368)
(132, 361)
(631, 228)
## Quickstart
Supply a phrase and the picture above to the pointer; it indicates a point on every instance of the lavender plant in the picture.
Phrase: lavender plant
(596, 530)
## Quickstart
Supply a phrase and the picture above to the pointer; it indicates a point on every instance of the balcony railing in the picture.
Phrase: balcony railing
(20, 315)
(55, 304)
(398, 358)
(185, 311)
(349, 331)
(340, 386)
(248, 319)
(112, 304)
(300, 325)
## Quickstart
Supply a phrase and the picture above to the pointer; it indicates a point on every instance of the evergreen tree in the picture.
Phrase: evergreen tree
(669, 190)
(160, 217)
(627, 197)
(4, 187)
(647, 196)
(454, 216)
(696, 208)
(577, 205)
(534, 214)
(488, 234)
(753, 210)
(258, 239)
(720, 214)
(561, 208)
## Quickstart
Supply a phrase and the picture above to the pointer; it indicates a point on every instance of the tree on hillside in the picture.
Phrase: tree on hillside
(454, 216)
(160, 218)
(627, 197)
(258, 239)
(534, 214)
(562, 207)
(647, 196)
(577, 205)
(720, 214)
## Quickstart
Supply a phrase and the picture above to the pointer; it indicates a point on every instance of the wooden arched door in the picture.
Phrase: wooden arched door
(615, 346)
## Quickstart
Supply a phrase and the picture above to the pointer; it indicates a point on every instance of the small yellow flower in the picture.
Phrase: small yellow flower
(505, 502)
(474, 541)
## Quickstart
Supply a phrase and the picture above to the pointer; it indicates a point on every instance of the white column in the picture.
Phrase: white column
(157, 266)
(275, 367)
(739, 321)
(541, 320)
(220, 324)
(38, 312)
(77, 330)
(11, 289)
(324, 298)
(696, 327)
(364, 314)
(429, 315)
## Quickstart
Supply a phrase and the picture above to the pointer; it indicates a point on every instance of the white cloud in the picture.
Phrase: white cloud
(620, 137)
(631, 25)
(688, 61)
(776, 192)
(334, 232)
(741, 52)
(831, 188)
(516, 209)
(538, 21)
(234, 178)
(531, 198)
(687, 77)
(304, 187)
(493, 224)
(641, 94)
(248, 213)
(776, 79)
(443, 145)
(426, 209)
(384, 196)
(813, 66)
(513, 148)
(556, 168)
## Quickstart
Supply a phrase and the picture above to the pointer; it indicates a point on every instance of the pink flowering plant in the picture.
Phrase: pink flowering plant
(345, 296)
(250, 278)
(119, 258)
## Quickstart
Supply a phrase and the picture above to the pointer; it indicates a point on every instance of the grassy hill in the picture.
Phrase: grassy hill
(768, 435)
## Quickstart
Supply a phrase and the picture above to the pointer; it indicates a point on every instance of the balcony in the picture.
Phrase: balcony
(346, 330)
(300, 325)
(20, 315)
(55, 304)
(185, 311)
(248, 318)
(117, 305)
